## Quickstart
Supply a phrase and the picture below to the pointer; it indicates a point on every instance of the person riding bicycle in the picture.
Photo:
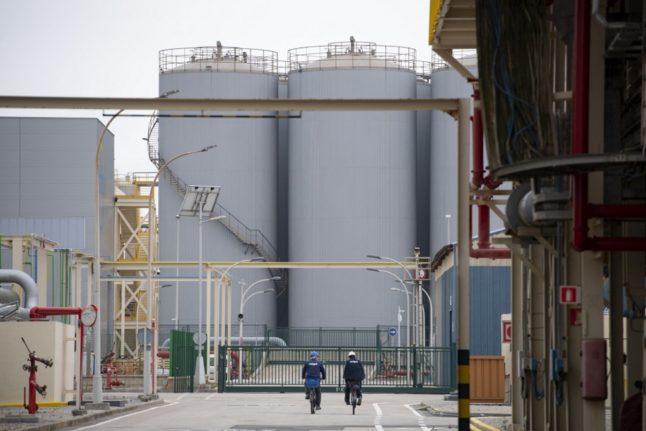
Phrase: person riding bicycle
(353, 374)
(313, 373)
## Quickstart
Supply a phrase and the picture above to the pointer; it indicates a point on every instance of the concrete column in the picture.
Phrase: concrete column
(41, 275)
(538, 329)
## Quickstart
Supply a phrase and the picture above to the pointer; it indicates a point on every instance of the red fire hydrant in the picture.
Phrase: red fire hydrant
(32, 407)
(108, 368)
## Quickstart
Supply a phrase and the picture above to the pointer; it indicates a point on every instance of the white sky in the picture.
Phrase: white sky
(110, 48)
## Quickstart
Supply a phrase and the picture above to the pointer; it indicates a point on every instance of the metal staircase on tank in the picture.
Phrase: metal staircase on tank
(253, 239)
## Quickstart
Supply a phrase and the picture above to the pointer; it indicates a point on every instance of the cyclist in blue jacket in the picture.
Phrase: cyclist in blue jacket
(313, 373)
(353, 374)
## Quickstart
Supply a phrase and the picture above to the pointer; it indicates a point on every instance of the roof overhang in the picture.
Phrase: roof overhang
(452, 24)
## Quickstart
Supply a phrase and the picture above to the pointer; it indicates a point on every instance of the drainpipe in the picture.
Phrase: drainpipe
(28, 286)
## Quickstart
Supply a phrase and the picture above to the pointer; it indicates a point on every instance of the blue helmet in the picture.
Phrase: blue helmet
(313, 354)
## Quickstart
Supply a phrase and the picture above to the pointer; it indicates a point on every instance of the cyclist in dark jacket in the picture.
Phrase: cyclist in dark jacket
(353, 374)
(313, 373)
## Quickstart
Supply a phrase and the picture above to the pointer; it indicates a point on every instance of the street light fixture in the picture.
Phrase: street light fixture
(392, 274)
(243, 301)
(197, 201)
(148, 387)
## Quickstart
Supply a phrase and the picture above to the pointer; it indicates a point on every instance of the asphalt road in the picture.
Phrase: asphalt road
(271, 411)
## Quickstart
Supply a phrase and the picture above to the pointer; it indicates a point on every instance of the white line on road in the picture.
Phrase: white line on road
(379, 415)
(209, 397)
(420, 418)
(125, 416)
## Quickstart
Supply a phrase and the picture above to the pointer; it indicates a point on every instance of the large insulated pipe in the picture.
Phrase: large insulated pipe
(28, 286)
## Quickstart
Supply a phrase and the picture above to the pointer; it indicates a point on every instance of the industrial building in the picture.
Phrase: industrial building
(526, 202)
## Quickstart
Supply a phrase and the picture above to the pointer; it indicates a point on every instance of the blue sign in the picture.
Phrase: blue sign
(392, 331)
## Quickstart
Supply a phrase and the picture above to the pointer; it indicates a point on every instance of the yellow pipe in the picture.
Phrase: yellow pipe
(44, 404)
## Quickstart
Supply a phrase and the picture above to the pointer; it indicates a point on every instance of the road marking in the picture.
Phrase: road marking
(125, 416)
(209, 397)
(180, 397)
(379, 415)
(420, 418)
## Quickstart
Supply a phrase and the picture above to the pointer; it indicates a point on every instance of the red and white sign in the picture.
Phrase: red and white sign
(570, 294)
(574, 316)
(506, 331)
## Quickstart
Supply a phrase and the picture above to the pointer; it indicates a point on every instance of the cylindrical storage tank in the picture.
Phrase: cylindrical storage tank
(445, 83)
(243, 164)
(351, 183)
(422, 157)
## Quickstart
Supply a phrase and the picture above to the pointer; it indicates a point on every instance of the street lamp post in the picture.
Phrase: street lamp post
(197, 201)
(220, 296)
(97, 383)
(148, 388)
(243, 301)
(177, 217)
(392, 274)
(410, 277)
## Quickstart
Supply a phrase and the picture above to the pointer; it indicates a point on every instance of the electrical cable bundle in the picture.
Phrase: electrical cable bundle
(514, 68)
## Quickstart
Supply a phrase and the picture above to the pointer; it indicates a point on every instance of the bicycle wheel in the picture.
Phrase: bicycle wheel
(354, 400)
(312, 400)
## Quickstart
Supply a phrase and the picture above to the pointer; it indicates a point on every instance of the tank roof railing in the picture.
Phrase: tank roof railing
(351, 55)
(423, 70)
(218, 58)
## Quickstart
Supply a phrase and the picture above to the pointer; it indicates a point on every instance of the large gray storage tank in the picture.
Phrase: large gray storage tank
(351, 183)
(447, 83)
(243, 164)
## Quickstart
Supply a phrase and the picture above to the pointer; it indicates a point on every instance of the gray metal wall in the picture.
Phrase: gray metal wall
(47, 181)
(243, 164)
(445, 83)
(351, 193)
(422, 165)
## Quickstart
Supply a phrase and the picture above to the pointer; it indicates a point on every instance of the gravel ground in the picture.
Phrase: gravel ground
(52, 418)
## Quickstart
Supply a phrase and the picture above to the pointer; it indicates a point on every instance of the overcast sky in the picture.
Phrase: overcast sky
(110, 48)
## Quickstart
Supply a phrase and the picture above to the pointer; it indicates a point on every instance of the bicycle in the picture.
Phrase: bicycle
(311, 390)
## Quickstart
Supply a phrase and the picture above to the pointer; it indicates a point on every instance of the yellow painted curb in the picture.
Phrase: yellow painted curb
(479, 426)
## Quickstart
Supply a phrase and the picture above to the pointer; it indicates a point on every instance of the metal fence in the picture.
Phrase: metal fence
(388, 369)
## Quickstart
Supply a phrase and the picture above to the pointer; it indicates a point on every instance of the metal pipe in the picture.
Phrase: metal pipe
(477, 174)
(580, 105)
(29, 288)
(185, 104)
(616, 211)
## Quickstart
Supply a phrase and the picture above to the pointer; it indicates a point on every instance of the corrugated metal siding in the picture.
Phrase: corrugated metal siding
(47, 173)
(68, 232)
(490, 296)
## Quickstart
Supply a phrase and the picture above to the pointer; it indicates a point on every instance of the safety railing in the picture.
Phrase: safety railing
(412, 369)
(351, 55)
(218, 58)
(423, 70)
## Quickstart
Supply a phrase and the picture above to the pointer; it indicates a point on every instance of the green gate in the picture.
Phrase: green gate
(388, 369)
(183, 353)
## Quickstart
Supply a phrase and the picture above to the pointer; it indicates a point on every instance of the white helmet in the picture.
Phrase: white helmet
(352, 354)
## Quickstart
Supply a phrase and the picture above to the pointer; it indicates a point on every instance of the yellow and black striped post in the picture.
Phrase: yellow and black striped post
(463, 390)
